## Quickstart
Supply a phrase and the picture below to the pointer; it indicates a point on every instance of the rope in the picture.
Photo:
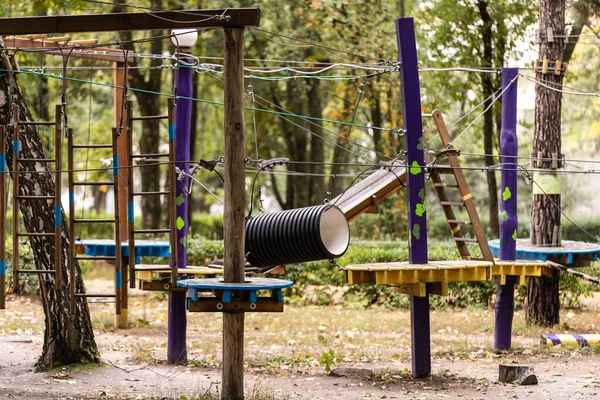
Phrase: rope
(288, 114)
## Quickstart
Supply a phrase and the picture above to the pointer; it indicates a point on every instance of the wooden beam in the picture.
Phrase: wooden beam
(119, 80)
(115, 22)
(89, 52)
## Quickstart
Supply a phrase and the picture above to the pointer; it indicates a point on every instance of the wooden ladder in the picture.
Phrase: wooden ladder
(108, 148)
(460, 183)
(169, 193)
(17, 234)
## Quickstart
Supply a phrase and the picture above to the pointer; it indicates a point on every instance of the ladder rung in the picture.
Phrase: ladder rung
(38, 123)
(158, 268)
(48, 160)
(35, 197)
(92, 220)
(448, 185)
(467, 240)
(93, 183)
(453, 203)
(98, 258)
(93, 146)
(36, 271)
(459, 221)
(147, 117)
(29, 234)
(94, 295)
(151, 230)
(151, 193)
(150, 155)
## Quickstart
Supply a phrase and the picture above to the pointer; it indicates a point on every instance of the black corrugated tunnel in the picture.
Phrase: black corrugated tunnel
(296, 236)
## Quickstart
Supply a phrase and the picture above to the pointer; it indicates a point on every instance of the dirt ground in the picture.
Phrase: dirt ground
(283, 350)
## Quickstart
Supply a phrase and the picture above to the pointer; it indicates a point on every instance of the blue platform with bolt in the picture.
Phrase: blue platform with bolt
(214, 295)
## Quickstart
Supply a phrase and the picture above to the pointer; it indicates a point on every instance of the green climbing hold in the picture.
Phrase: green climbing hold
(420, 145)
(504, 216)
(420, 209)
(180, 200)
(416, 232)
(180, 223)
(415, 169)
(422, 194)
(514, 235)
(506, 194)
(183, 241)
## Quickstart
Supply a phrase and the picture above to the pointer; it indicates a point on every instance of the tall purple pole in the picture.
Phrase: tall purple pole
(415, 189)
(176, 346)
(505, 300)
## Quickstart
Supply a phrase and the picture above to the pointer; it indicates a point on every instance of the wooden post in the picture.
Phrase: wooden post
(505, 300)
(235, 203)
(119, 79)
(415, 187)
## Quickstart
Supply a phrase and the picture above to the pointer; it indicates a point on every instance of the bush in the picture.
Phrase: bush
(207, 226)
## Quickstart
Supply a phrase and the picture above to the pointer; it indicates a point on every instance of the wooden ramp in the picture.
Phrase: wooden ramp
(366, 195)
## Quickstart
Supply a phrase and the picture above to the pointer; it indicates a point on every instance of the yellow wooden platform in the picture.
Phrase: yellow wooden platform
(405, 276)
(519, 268)
(398, 273)
(149, 272)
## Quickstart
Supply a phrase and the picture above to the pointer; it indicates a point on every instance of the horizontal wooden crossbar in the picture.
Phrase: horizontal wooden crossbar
(115, 22)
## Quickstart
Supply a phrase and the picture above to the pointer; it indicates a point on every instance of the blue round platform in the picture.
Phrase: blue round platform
(107, 247)
(568, 249)
(251, 284)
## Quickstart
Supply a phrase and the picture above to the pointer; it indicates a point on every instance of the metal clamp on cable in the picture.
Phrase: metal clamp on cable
(272, 163)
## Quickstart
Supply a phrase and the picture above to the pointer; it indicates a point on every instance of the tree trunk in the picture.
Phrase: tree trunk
(542, 306)
(376, 114)
(487, 85)
(340, 155)
(297, 186)
(68, 338)
(317, 153)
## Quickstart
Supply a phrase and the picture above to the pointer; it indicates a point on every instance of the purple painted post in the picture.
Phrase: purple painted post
(415, 189)
(505, 300)
(177, 324)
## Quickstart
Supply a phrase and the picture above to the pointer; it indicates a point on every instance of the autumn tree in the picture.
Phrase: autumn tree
(480, 34)
(68, 337)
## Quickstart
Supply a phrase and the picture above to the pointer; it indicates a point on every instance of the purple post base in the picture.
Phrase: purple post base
(505, 305)
(177, 350)
(420, 336)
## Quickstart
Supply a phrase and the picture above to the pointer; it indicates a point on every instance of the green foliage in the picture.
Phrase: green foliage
(208, 226)
(201, 252)
(328, 359)
(29, 282)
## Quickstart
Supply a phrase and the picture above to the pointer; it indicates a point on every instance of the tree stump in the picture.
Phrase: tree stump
(521, 374)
